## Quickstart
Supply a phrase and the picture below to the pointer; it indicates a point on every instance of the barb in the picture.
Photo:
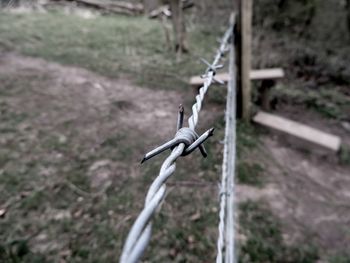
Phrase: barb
(226, 242)
(140, 232)
(183, 135)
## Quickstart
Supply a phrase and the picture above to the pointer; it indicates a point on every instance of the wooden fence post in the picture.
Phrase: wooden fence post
(243, 36)
(246, 9)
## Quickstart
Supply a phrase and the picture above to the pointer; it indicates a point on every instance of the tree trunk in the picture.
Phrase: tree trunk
(179, 27)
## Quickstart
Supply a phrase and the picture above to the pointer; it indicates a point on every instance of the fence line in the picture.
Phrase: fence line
(226, 238)
(185, 141)
(231, 164)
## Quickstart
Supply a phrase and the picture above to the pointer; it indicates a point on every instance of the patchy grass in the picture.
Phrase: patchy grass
(247, 137)
(19, 251)
(344, 155)
(329, 102)
(249, 173)
(53, 213)
(217, 94)
(52, 209)
(264, 242)
(190, 240)
(108, 45)
(340, 259)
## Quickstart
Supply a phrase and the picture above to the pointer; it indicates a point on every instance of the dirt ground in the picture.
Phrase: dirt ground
(70, 143)
(309, 192)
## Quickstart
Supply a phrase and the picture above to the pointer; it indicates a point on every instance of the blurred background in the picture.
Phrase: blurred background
(87, 87)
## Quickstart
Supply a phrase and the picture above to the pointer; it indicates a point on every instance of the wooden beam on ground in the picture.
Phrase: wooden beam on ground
(260, 74)
(118, 7)
(298, 130)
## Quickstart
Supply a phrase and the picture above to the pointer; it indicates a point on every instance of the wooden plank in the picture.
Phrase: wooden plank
(298, 130)
(246, 38)
(272, 73)
(198, 81)
(259, 74)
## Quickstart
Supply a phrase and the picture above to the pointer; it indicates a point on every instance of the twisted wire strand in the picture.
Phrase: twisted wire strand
(196, 108)
(226, 242)
(231, 256)
(140, 233)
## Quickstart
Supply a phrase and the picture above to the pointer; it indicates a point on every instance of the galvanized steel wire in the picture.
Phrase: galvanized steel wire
(226, 238)
(140, 233)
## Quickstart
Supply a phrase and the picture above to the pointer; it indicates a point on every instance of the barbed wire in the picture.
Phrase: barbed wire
(185, 141)
(226, 238)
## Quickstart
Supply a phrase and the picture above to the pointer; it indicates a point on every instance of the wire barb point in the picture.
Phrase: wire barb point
(211, 131)
(180, 117)
(181, 108)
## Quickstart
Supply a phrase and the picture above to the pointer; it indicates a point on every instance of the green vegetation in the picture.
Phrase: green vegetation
(330, 103)
(108, 45)
(264, 238)
(247, 138)
(18, 251)
(54, 213)
(190, 240)
(250, 174)
(52, 210)
(340, 259)
(344, 155)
